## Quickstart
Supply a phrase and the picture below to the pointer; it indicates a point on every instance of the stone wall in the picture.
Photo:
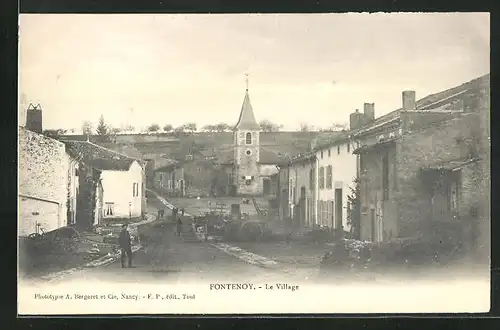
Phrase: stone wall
(450, 140)
(43, 170)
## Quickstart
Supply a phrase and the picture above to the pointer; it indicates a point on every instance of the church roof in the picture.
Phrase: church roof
(247, 118)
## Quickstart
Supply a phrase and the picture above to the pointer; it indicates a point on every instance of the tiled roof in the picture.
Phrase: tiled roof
(98, 157)
(430, 101)
(452, 165)
(277, 155)
(126, 150)
(247, 117)
(334, 138)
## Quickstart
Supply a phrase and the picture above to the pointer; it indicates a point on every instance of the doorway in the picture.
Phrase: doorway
(338, 208)
(267, 186)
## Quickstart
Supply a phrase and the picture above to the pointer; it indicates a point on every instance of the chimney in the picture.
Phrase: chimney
(369, 112)
(409, 102)
(34, 118)
(355, 120)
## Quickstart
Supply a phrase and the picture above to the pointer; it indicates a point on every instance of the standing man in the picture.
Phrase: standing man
(179, 226)
(125, 246)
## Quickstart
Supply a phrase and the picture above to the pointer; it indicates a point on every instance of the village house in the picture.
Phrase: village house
(420, 167)
(122, 179)
(51, 186)
(302, 193)
(335, 173)
(44, 177)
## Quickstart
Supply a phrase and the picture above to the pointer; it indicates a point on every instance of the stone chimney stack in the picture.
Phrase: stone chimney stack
(34, 118)
(409, 102)
(369, 112)
(356, 120)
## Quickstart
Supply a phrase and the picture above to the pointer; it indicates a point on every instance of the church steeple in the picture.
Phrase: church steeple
(247, 118)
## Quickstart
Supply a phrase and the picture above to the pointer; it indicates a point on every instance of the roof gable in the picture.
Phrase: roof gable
(98, 157)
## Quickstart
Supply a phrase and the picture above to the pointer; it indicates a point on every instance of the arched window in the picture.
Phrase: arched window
(249, 138)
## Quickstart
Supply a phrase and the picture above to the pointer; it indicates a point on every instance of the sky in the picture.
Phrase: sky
(303, 68)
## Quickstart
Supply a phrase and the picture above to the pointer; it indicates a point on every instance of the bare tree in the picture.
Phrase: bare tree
(222, 127)
(128, 128)
(153, 128)
(305, 127)
(209, 128)
(268, 126)
(190, 127)
(87, 128)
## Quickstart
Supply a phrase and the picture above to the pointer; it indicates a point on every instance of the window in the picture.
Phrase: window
(170, 184)
(135, 190)
(321, 178)
(189, 157)
(321, 154)
(329, 177)
(109, 209)
(385, 177)
(338, 150)
(348, 147)
(329, 152)
(248, 138)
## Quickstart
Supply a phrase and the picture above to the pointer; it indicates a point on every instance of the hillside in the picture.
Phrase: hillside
(177, 145)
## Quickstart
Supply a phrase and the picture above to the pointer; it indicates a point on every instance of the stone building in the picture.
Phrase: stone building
(247, 152)
(44, 176)
(420, 166)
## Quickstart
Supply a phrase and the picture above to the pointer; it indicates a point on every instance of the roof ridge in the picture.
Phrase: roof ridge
(111, 150)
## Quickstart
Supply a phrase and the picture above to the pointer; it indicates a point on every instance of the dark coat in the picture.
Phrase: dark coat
(124, 239)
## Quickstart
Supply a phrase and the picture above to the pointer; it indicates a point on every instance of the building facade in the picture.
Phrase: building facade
(335, 178)
(419, 165)
(247, 152)
(117, 182)
(302, 192)
(44, 168)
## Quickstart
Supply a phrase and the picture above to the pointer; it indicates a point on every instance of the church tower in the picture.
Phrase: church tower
(246, 151)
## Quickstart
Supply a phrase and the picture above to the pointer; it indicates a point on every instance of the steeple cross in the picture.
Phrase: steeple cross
(246, 80)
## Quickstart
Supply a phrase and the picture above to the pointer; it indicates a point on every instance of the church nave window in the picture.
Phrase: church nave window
(248, 138)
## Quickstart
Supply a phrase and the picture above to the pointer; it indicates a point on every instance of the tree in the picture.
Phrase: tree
(87, 128)
(268, 126)
(305, 127)
(190, 127)
(168, 128)
(54, 133)
(153, 128)
(222, 127)
(354, 211)
(102, 129)
(129, 128)
(179, 129)
(115, 130)
(209, 128)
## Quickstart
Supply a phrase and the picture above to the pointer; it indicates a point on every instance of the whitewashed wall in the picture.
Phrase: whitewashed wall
(118, 189)
(344, 171)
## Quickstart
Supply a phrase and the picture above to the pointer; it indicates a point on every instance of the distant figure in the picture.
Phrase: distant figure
(175, 211)
(182, 212)
(179, 226)
(125, 246)
(161, 213)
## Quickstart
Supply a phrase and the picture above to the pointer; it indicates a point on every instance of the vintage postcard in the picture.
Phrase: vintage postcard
(305, 163)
